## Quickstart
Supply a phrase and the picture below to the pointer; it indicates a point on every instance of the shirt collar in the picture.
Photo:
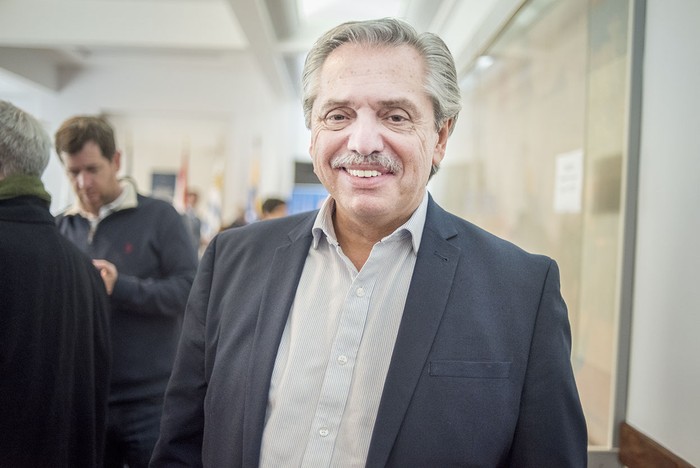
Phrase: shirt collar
(323, 225)
(126, 199)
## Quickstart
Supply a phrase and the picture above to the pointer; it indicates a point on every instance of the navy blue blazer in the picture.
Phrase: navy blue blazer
(480, 374)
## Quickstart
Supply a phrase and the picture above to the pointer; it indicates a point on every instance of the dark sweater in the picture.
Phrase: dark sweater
(54, 344)
(156, 264)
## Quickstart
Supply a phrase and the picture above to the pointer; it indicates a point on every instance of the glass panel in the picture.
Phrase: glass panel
(539, 160)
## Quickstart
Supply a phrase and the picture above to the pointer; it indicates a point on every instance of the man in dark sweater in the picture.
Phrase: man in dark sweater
(54, 318)
(147, 263)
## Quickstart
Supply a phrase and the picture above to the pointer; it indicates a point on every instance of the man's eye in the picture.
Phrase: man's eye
(335, 117)
(398, 118)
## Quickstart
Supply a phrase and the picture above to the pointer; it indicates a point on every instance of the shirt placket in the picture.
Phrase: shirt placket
(341, 364)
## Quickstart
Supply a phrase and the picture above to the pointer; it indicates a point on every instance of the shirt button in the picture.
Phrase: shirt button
(360, 292)
(323, 432)
(342, 360)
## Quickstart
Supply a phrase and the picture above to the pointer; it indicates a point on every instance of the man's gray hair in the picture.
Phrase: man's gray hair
(25, 146)
(441, 83)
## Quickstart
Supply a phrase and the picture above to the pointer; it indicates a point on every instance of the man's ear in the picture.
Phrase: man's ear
(117, 160)
(441, 143)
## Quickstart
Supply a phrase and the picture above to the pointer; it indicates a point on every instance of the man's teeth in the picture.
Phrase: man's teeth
(359, 173)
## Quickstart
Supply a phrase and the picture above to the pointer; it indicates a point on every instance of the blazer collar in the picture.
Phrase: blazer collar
(277, 297)
(432, 280)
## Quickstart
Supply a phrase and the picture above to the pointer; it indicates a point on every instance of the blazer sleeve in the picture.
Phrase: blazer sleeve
(551, 429)
(182, 422)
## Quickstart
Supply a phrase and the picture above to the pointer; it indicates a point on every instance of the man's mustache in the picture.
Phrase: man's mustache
(376, 159)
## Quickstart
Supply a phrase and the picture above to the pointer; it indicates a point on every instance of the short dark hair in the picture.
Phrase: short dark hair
(270, 204)
(76, 131)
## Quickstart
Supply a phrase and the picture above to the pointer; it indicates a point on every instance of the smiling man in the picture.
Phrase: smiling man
(380, 330)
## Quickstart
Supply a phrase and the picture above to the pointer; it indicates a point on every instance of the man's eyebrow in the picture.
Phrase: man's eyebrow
(88, 167)
(332, 104)
(405, 104)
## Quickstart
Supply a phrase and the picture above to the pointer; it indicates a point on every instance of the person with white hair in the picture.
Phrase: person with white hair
(54, 325)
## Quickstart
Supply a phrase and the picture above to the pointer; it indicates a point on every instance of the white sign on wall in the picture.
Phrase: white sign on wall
(568, 182)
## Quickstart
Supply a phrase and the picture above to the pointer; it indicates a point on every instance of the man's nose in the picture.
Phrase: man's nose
(366, 135)
(81, 180)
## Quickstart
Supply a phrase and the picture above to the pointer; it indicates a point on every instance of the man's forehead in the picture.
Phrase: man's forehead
(356, 55)
(89, 159)
(368, 66)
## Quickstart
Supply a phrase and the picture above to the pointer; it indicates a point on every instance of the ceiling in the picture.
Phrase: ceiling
(47, 42)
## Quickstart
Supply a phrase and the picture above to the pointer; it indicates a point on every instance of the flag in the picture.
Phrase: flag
(180, 196)
(211, 223)
(252, 202)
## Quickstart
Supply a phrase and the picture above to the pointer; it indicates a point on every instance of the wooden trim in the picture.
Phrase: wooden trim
(639, 451)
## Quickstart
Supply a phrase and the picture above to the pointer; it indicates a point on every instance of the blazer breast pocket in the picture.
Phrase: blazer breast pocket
(470, 369)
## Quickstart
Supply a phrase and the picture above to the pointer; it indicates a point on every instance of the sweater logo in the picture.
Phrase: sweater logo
(128, 248)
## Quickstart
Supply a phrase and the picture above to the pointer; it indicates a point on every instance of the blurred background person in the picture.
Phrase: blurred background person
(273, 208)
(54, 322)
(192, 220)
(147, 262)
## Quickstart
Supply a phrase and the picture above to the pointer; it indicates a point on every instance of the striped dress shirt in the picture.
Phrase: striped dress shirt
(336, 348)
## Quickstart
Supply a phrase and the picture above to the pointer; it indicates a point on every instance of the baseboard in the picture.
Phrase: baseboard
(639, 451)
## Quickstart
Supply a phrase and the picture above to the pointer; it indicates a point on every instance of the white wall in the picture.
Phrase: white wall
(664, 384)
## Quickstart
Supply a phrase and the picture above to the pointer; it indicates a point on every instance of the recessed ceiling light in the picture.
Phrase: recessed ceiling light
(344, 10)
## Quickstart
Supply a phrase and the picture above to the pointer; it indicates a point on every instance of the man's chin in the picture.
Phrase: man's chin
(370, 207)
(88, 203)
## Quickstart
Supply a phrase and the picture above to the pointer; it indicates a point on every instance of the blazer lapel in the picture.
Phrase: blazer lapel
(277, 298)
(426, 301)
